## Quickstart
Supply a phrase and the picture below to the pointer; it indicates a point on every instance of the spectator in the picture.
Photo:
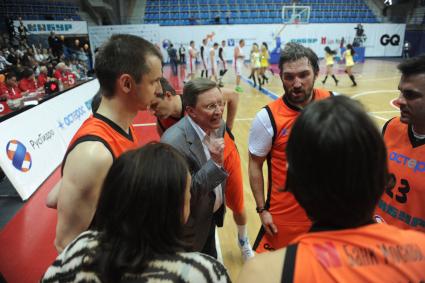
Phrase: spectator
(182, 54)
(172, 53)
(10, 89)
(43, 76)
(136, 235)
(3, 62)
(28, 82)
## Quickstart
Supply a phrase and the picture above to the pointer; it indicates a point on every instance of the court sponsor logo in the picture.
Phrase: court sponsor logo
(18, 154)
(75, 115)
(393, 40)
(304, 40)
(42, 138)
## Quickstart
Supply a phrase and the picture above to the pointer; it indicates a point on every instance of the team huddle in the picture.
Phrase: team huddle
(343, 201)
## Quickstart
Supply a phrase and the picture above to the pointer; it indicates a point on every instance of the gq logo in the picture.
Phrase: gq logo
(18, 154)
(393, 40)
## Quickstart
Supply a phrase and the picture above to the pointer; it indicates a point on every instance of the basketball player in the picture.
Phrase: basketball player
(281, 216)
(191, 65)
(402, 204)
(255, 58)
(222, 62)
(329, 58)
(213, 62)
(204, 57)
(239, 58)
(129, 70)
(169, 110)
(349, 62)
(337, 172)
(264, 61)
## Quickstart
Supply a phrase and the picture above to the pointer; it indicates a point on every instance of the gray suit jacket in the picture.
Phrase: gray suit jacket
(205, 177)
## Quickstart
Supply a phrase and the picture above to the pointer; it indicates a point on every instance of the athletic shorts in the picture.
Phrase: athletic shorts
(213, 70)
(234, 183)
(238, 67)
(286, 234)
(222, 65)
(191, 66)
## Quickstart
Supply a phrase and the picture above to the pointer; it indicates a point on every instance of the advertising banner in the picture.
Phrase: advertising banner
(379, 40)
(33, 143)
(59, 27)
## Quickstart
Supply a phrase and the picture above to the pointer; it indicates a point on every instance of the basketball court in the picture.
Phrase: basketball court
(27, 248)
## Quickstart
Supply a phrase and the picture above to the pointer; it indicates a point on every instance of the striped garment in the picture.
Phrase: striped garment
(181, 267)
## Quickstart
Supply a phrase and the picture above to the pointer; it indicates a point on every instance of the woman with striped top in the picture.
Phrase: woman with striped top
(136, 232)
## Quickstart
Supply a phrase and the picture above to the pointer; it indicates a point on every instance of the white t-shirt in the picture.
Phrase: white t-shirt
(260, 134)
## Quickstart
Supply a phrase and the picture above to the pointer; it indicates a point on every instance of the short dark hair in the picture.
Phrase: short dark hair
(294, 51)
(140, 210)
(413, 66)
(337, 163)
(95, 103)
(329, 50)
(9, 76)
(26, 73)
(122, 54)
(194, 88)
(349, 46)
(166, 87)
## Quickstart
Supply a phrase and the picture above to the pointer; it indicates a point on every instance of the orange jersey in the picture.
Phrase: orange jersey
(290, 219)
(372, 253)
(232, 165)
(403, 203)
(100, 128)
(234, 183)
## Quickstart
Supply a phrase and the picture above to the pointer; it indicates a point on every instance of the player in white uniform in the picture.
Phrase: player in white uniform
(239, 60)
(204, 57)
(191, 64)
(213, 62)
(222, 65)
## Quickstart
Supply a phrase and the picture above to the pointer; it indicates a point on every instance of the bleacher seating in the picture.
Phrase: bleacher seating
(39, 10)
(204, 12)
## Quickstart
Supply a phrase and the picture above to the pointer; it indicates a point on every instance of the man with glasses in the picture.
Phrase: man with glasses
(199, 137)
(168, 108)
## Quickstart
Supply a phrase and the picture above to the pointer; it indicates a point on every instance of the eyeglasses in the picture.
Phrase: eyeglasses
(215, 106)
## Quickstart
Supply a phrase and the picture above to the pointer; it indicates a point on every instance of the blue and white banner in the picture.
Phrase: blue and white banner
(33, 143)
(59, 27)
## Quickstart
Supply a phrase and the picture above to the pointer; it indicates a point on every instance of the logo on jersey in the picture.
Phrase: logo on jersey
(18, 154)
(415, 165)
(378, 219)
(283, 132)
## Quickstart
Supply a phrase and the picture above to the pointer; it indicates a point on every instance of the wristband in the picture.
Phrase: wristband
(260, 209)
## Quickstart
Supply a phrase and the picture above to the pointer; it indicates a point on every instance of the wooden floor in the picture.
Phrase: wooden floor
(377, 87)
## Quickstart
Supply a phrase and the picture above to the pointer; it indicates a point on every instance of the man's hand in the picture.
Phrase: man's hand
(216, 148)
(267, 221)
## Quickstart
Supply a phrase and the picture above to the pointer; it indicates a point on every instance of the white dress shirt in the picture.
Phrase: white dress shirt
(202, 136)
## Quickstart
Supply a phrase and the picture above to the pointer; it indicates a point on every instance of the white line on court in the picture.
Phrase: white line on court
(393, 104)
(380, 91)
(144, 125)
(382, 112)
(378, 117)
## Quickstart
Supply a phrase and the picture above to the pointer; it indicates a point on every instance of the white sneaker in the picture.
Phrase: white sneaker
(246, 248)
